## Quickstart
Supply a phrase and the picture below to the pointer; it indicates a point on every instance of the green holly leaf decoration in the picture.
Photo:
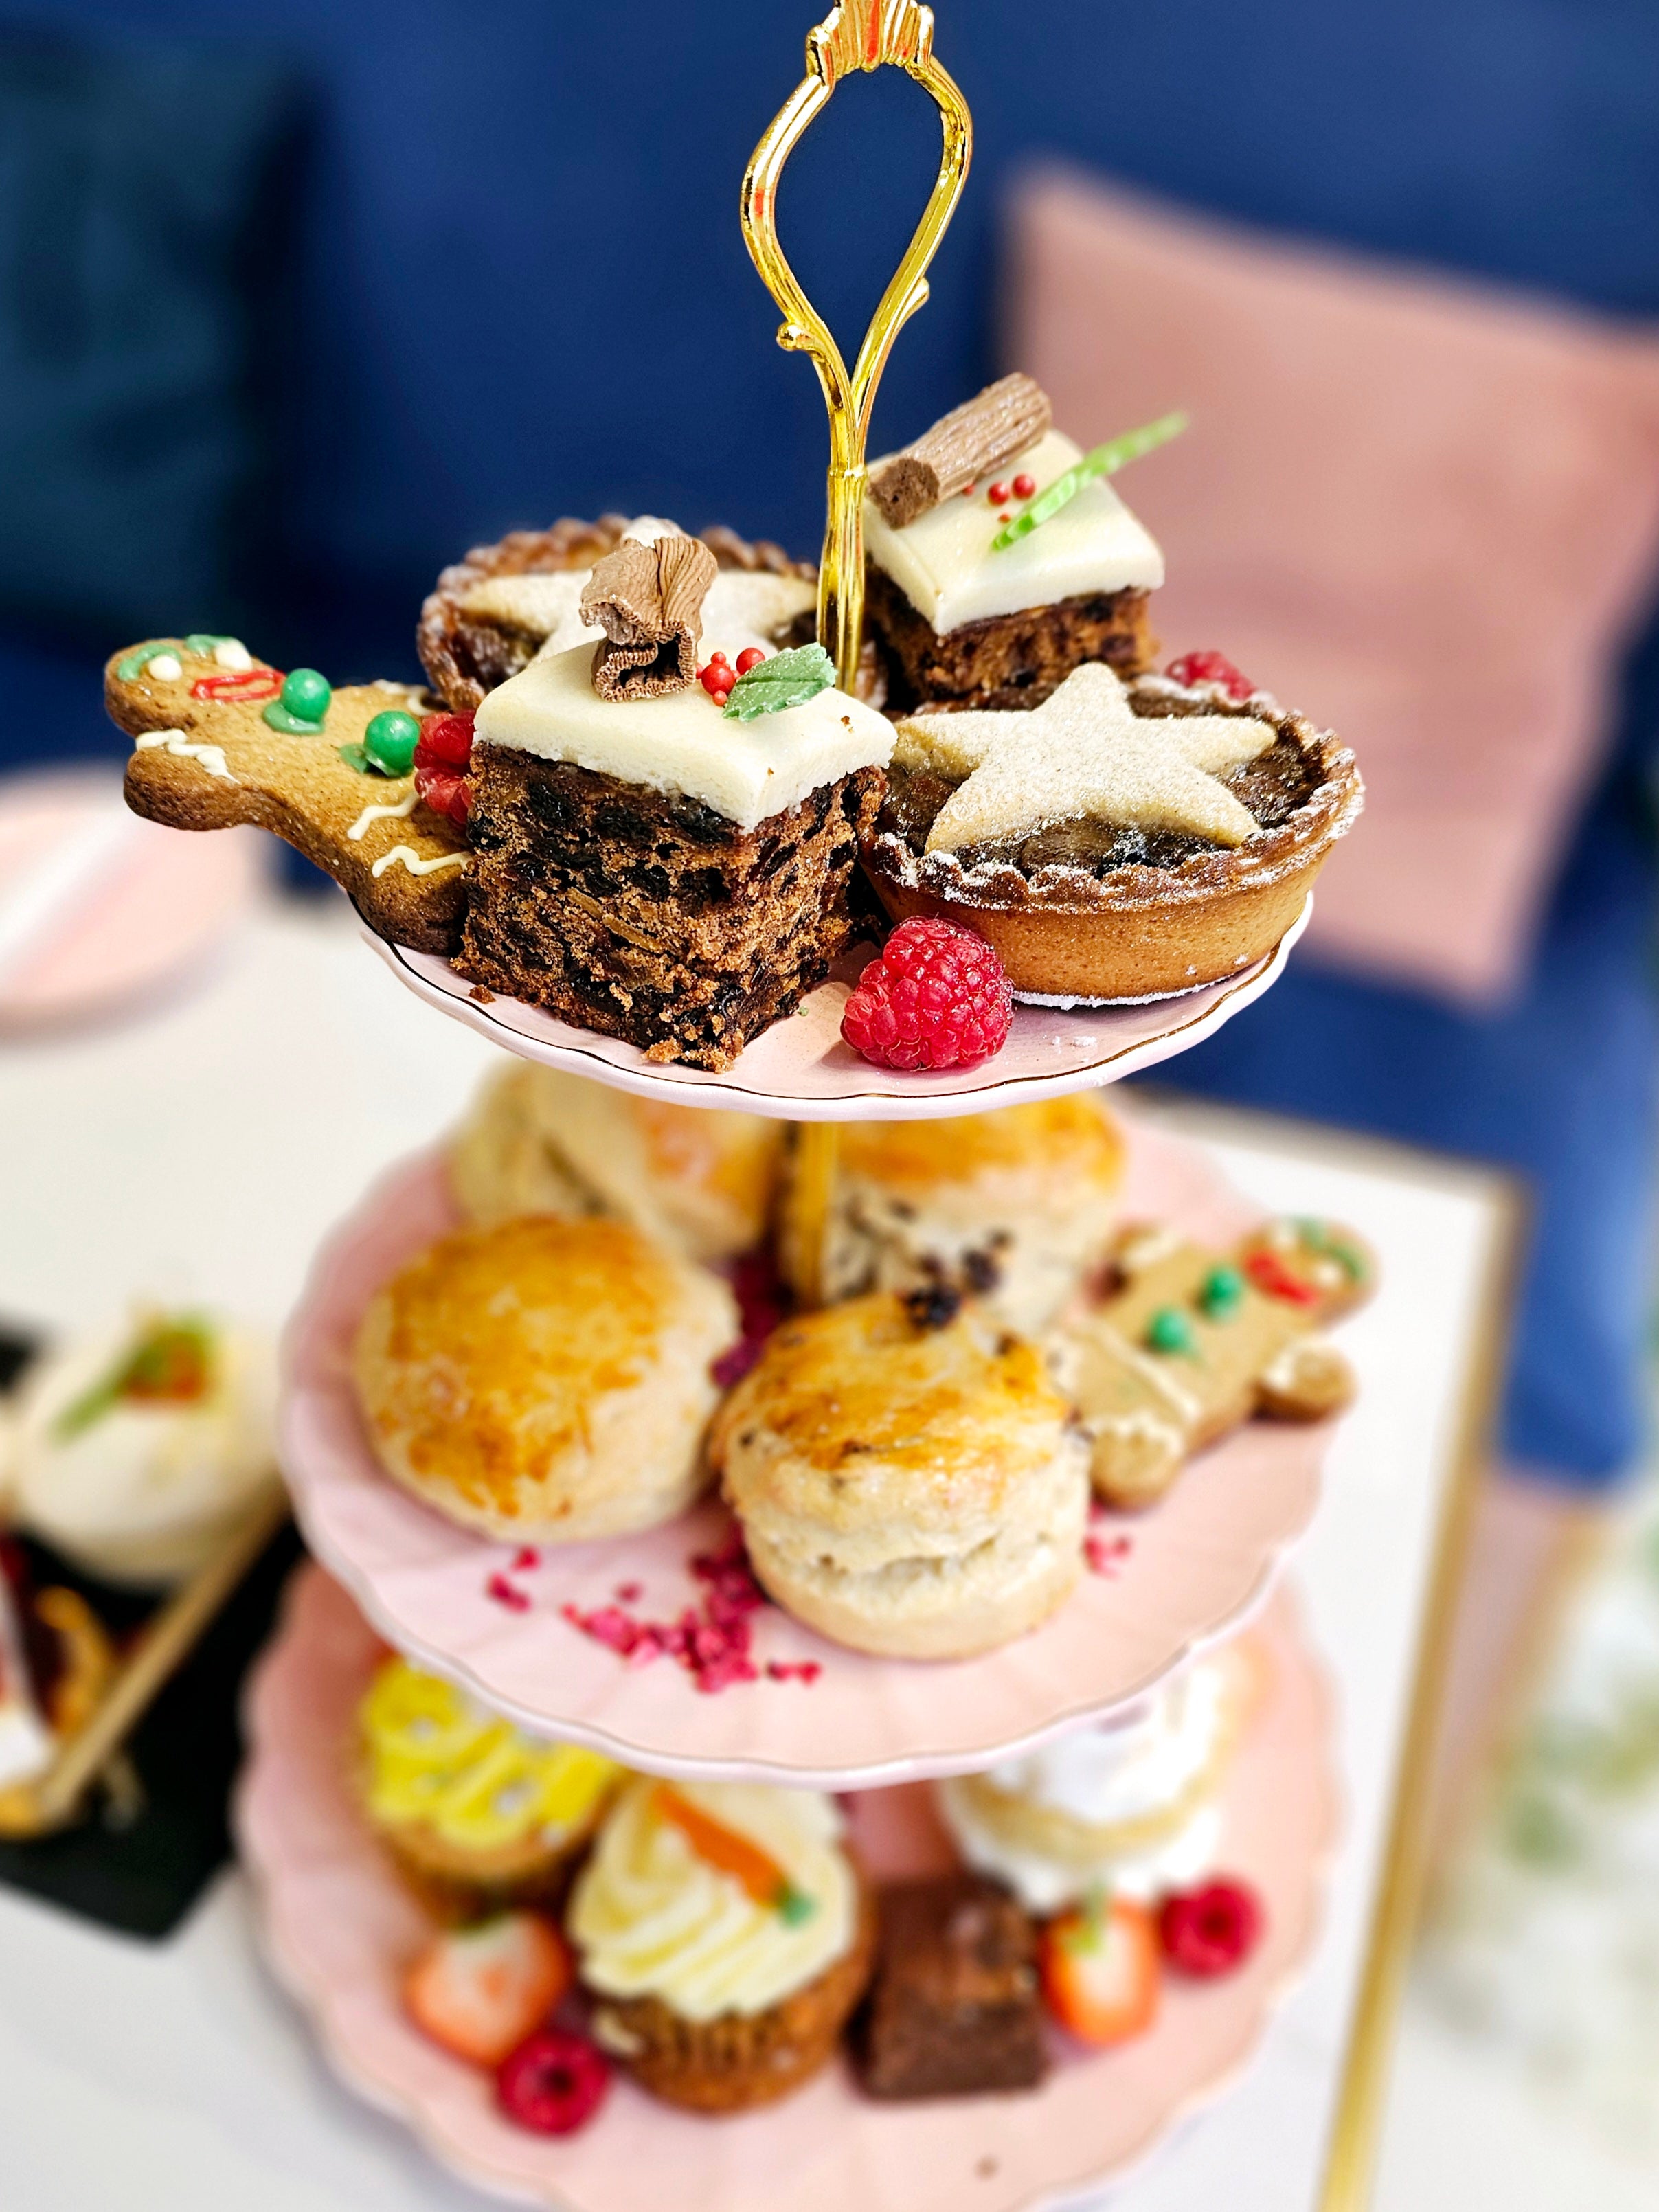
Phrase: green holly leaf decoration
(786, 679)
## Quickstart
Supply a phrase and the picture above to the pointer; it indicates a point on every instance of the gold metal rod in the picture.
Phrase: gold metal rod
(856, 35)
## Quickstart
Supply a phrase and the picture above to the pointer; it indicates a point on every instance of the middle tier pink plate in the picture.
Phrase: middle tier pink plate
(1163, 1584)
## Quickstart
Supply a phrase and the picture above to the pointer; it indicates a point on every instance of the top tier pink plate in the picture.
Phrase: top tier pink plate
(1166, 1581)
(339, 1929)
(800, 1070)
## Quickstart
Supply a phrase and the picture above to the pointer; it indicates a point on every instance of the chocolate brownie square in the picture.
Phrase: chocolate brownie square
(954, 2008)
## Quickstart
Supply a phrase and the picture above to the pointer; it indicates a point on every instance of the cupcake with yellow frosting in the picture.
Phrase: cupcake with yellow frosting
(478, 1815)
(724, 1936)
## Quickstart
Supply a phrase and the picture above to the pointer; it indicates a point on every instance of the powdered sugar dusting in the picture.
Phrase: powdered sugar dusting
(1084, 752)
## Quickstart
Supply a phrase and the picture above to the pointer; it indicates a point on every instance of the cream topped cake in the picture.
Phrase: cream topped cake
(491, 614)
(679, 744)
(944, 564)
(665, 819)
(1129, 1807)
(1000, 558)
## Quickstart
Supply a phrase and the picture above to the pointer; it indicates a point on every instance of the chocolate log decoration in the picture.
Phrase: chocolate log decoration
(648, 599)
(973, 440)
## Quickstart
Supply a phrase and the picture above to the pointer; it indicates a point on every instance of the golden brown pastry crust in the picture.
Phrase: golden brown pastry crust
(466, 656)
(1140, 932)
(906, 1489)
(546, 1379)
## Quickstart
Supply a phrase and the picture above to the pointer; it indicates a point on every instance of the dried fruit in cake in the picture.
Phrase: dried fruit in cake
(1012, 1207)
(217, 746)
(971, 605)
(659, 868)
(954, 2008)
(1127, 1809)
(1212, 1931)
(479, 1991)
(1118, 842)
(935, 997)
(544, 1380)
(1100, 1970)
(1188, 1341)
(909, 1479)
(537, 1140)
(554, 2083)
(724, 1936)
(477, 1817)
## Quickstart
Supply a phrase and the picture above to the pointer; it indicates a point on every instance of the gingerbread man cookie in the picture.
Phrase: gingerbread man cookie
(1186, 1343)
(222, 739)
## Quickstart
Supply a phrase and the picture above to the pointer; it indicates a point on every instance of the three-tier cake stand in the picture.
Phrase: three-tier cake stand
(1198, 1567)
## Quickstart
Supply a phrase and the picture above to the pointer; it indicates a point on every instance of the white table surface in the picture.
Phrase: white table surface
(200, 1151)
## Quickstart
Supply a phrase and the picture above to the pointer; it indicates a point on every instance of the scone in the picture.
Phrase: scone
(539, 1142)
(544, 1380)
(1128, 1806)
(909, 1480)
(479, 1817)
(1011, 1207)
(724, 1936)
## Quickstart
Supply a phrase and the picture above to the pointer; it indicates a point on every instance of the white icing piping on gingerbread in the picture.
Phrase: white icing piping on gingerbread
(166, 668)
(212, 758)
(412, 860)
(400, 812)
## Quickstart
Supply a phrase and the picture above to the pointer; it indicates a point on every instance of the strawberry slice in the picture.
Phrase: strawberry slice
(480, 1991)
(1100, 1972)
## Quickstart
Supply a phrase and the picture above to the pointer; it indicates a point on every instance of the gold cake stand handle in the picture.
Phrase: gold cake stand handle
(856, 35)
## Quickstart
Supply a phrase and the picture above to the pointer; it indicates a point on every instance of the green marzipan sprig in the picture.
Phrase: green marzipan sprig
(1105, 461)
(789, 679)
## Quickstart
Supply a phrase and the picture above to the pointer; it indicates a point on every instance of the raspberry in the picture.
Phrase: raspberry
(553, 2082)
(937, 998)
(1210, 668)
(1211, 1930)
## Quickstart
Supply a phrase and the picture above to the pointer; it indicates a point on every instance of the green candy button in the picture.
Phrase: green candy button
(302, 708)
(1169, 1330)
(390, 741)
(1223, 1288)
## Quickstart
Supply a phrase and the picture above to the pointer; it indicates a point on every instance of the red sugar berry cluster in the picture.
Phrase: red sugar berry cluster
(718, 678)
(937, 998)
(714, 1642)
(1210, 668)
(443, 754)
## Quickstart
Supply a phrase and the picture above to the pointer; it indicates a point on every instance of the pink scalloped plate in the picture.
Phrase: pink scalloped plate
(338, 1929)
(1165, 1582)
(800, 1070)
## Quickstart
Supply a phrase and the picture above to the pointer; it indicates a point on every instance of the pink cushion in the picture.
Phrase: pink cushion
(1421, 512)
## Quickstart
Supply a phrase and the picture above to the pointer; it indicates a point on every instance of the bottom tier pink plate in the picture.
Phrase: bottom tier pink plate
(338, 1929)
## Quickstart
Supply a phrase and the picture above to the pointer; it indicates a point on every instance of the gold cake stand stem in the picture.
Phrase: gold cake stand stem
(857, 34)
